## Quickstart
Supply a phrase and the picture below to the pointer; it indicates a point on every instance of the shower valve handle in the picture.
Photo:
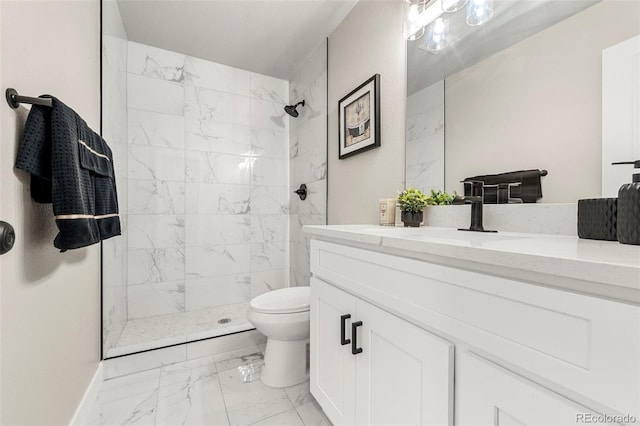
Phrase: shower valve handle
(302, 192)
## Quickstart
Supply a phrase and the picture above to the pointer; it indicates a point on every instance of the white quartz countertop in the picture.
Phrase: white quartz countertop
(603, 262)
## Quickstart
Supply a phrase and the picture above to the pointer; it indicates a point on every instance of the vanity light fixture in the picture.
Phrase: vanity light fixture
(422, 16)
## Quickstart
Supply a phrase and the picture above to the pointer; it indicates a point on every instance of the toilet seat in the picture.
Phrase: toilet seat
(283, 301)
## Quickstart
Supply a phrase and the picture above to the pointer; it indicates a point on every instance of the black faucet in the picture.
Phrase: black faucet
(476, 201)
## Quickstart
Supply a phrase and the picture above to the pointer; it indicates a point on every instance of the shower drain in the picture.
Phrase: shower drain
(224, 320)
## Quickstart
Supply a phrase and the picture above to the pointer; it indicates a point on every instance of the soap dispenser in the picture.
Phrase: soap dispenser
(629, 208)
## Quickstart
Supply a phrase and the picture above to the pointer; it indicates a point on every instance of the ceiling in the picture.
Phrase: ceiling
(513, 21)
(265, 36)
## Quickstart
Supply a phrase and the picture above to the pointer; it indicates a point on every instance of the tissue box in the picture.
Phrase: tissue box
(597, 219)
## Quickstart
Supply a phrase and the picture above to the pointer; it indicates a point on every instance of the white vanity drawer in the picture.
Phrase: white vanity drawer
(589, 346)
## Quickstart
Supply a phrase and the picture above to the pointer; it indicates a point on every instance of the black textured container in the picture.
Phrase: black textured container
(629, 213)
(597, 219)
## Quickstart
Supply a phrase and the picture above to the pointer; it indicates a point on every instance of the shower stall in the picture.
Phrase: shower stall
(206, 162)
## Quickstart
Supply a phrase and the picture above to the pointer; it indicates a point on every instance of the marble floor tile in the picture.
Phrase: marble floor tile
(127, 400)
(238, 357)
(190, 394)
(197, 392)
(288, 418)
(312, 415)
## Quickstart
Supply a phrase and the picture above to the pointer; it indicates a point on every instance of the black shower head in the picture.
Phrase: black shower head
(291, 109)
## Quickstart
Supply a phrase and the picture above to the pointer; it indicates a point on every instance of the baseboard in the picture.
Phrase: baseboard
(83, 410)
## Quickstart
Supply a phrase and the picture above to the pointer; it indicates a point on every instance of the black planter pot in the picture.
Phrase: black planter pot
(411, 219)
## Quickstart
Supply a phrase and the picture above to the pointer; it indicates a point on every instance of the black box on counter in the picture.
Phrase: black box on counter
(597, 219)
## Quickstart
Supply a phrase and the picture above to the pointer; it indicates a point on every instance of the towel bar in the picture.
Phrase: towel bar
(14, 100)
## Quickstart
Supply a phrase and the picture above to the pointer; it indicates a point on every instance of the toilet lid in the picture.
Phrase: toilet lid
(282, 301)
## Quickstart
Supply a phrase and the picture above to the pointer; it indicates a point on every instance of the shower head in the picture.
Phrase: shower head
(291, 109)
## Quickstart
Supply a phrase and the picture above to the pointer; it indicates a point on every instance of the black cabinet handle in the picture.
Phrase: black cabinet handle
(343, 320)
(354, 335)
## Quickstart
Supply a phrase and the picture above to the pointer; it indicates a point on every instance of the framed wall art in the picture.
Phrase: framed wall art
(359, 119)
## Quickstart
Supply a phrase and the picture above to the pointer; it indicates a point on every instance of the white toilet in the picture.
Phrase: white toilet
(283, 316)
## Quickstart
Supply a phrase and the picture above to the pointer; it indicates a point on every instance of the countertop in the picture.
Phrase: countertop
(604, 268)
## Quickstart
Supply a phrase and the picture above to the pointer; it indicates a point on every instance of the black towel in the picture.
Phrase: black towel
(72, 167)
(496, 186)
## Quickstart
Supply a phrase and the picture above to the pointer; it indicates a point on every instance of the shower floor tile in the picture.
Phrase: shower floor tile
(164, 330)
(198, 392)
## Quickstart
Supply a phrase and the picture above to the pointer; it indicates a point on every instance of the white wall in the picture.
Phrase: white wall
(367, 42)
(50, 337)
(538, 104)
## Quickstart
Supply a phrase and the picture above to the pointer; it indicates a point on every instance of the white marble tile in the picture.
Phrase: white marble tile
(155, 129)
(214, 136)
(207, 230)
(207, 104)
(153, 62)
(312, 415)
(143, 361)
(114, 314)
(316, 201)
(270, 143)
(288, 418)
(315, 97)
(268, 115)
(313, 67)
(114, 53)
(212, 167)
(269, 256)
(269, 88)
(267, 228)
(154, 163)
(147, 300)
(216, 261)
(312, 135)
(156, 265)
(248, 402)
(311, 166)
(426, 123)
(156, 197)
(217, 198)
(299, 394)
(129, 344)
(223, 344)
(190, 394)
(211, 75)
(151, 94)
(270, 171)
(210, 292)
(269, 199)
(251, 354)
(127, 400)
(264, 281)
(156, 231)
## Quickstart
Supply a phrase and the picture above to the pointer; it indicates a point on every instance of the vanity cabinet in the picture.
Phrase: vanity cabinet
(525, 353)
(370, 367)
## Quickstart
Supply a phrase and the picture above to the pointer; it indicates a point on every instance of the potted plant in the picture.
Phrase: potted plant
(440, 198)
(411, 202)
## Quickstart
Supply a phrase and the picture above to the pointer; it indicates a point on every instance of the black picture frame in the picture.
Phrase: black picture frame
(359, 119)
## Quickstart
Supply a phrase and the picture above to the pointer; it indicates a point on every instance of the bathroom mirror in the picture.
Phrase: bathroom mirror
(523, 91)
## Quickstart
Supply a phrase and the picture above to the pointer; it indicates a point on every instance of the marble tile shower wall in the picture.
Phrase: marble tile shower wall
(308, 157)
(208, 183)
(114, 131)
(425, 138)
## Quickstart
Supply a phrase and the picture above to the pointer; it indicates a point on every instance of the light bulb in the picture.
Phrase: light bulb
(479, 12)
(437, 35)
(412, 29)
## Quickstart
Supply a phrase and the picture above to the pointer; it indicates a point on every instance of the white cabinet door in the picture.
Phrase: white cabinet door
(404, 374)
(332, 364)
(489, 395)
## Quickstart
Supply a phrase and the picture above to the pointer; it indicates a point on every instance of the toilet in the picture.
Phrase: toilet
(283, 316)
